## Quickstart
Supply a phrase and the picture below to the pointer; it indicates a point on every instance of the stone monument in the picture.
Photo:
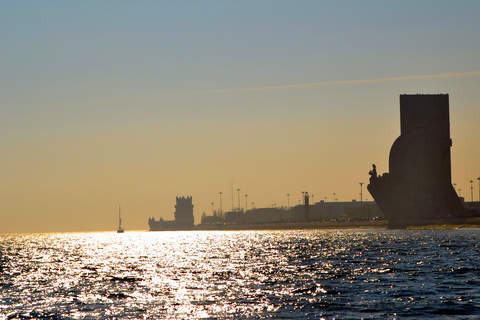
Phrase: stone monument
(418, 186)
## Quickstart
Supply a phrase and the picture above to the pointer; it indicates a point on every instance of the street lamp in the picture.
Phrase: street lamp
(361, 198)
(288, 199)
(238, 190)
(478, 188)
(335, 200)
(220, 193)
(212, 208)
(246, 202)
(471, 190)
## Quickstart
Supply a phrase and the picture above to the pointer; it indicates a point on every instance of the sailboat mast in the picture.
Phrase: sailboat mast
(119, 218)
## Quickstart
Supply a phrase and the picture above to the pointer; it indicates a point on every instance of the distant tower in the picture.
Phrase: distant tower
(307, 207)
(184, 212)
(419, 185)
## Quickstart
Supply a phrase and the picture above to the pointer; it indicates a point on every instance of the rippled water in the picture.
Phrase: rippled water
(299, 274)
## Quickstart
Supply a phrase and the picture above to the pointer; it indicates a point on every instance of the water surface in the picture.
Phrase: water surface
(294, 274)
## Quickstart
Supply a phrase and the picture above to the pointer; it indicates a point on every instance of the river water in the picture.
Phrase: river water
(294, 274)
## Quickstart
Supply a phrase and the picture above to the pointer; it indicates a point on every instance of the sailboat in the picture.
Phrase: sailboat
(120, 229)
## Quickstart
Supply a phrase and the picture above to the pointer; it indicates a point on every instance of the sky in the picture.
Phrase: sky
(133, 103)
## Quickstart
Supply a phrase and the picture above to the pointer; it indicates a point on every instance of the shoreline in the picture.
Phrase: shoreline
(382, 224)
(377, 224)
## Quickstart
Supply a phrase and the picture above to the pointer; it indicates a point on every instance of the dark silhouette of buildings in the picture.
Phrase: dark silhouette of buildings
(183, 217)
(317, 212)
(419, 185)
(338, 210)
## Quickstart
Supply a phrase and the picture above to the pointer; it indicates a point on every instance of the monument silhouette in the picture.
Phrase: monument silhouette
(184, 219)
(418, 186)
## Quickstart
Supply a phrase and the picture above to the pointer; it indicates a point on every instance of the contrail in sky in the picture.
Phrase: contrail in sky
(447, 75)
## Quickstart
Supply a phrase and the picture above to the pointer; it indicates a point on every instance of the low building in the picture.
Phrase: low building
(258, 215)
(325, 211)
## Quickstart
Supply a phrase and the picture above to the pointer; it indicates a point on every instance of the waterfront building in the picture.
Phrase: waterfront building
(184, 219)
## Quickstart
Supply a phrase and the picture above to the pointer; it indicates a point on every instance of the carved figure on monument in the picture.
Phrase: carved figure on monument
(419, 185)
(373, 172)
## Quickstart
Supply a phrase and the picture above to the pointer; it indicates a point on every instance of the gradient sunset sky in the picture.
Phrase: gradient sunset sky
(136, 102)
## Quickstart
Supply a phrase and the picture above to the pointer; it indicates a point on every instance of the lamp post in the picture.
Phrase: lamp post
(361, 199)
(334, 205)
(238, 191)
(220, 211)
(212, 208)
(471, 190)
(246, 202)
(478, 188)
(288, 200)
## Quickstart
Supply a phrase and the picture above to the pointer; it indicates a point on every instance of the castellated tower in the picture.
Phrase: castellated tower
(184, 212)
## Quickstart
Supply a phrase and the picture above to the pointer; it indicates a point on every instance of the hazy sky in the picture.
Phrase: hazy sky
(135, 102)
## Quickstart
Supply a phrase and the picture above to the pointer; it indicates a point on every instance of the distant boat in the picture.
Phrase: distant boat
(120, 229)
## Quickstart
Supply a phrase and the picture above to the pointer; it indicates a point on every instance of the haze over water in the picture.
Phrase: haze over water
(135, 103)
(296, 274)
